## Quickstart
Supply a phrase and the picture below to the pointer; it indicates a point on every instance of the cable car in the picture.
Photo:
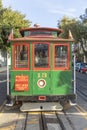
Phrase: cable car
(41, 69)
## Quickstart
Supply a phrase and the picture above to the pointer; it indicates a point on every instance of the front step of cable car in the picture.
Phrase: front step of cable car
(41, 106)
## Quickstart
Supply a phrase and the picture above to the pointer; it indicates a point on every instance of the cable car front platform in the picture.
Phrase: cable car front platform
(41, 106)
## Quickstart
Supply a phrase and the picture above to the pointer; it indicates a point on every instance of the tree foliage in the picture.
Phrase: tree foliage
(78, 29)
(9, 20)
(83, 17)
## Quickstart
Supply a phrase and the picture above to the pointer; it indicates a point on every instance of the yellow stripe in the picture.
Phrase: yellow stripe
(85, 129)
(81, 111)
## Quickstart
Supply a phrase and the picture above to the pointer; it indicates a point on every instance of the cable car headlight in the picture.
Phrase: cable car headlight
(41, 83)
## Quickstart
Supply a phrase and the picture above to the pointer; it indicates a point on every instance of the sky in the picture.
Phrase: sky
(47, 12)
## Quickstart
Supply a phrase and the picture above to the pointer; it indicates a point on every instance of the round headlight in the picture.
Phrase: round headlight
(41, 83)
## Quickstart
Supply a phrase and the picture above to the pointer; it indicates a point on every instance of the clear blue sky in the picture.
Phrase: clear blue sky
(47, 12)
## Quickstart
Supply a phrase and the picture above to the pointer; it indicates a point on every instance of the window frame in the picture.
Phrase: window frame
(68, 58)
(33, 56)
(14, 56)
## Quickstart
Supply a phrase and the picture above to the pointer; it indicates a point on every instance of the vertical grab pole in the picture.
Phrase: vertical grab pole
(7, 75)
(9, 100)
(74, 74)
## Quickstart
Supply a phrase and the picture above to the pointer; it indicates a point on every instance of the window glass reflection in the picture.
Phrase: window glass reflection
(61, 56)
(41, 55)
(21, 56)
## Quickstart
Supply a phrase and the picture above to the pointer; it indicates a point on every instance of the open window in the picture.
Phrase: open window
(61, 56)
(41, 55)
(21, 56)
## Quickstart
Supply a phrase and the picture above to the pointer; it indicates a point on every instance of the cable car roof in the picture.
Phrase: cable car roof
(42, 28)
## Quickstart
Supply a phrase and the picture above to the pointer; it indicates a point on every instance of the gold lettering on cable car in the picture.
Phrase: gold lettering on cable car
(42, 75)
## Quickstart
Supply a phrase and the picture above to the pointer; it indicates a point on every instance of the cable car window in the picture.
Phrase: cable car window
(41, 55)
(61, 56)
(41, 33)
(48, 33)
(26, 33)
(21, 56)
(37, 32)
